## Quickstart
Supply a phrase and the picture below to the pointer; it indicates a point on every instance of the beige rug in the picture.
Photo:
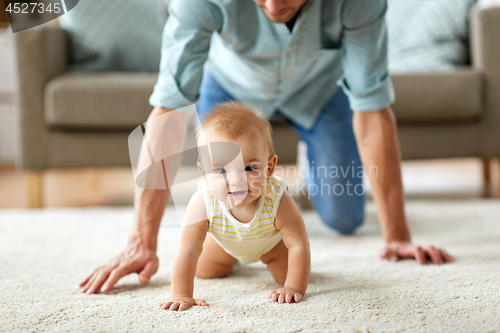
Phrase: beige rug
(44, 254)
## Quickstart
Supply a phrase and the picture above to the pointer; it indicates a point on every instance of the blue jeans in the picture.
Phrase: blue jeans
(335, 189)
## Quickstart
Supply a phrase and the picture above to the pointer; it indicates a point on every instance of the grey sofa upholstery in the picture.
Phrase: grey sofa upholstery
(83, 120)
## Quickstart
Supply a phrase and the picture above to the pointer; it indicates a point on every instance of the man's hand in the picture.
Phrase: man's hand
(376, 135)
(135, 259)
(401, 250)
(285, 295)
(181, 303)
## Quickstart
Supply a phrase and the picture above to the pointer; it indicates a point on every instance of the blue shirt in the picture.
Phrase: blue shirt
(263, 63)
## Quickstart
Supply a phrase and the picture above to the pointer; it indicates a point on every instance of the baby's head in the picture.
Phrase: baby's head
(242, 180)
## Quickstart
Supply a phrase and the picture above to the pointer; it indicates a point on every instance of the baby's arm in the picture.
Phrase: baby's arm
(290, 224)
(193, 234)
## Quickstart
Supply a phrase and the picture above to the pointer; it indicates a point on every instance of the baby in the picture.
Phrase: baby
(240, 212)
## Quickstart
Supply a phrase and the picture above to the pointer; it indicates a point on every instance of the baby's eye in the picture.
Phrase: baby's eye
(220, 171)
(250, 168)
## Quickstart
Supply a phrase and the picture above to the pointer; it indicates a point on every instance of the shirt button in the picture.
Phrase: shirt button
(289, 49)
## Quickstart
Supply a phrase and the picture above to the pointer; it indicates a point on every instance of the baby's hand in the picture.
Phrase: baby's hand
(182, 303)
(285, 295)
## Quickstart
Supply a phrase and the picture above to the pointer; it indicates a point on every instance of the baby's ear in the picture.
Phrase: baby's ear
(200, 167)
(271, 165)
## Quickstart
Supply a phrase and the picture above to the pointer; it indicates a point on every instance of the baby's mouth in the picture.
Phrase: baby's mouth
(238, 193)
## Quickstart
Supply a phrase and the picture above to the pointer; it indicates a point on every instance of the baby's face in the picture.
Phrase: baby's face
(241, 180)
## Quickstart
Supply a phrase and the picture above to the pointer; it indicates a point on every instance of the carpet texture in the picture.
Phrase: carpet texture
(44, 254)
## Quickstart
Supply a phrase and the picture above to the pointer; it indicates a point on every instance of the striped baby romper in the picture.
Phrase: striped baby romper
(246, 242)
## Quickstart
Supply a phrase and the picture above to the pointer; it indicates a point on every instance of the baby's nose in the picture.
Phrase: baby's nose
(237, 178)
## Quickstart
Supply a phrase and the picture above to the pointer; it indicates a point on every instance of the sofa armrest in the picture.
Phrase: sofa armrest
(41, 54)
(485, 46)
(485, 37)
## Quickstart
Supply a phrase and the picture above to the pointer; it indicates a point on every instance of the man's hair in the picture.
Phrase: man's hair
(233, 119)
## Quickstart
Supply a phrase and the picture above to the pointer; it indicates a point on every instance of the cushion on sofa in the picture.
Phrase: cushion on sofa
(436, 97)
(427, 35)
(99, 101)
(109, 35)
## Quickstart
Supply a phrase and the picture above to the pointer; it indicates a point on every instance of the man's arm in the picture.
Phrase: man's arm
(140, 254)
(185, 47)
(376, 136)
(367, 83)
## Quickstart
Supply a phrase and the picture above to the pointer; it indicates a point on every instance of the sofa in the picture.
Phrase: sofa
(75, 120)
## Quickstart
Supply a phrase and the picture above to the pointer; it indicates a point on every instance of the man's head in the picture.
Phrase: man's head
(280, 11)
(239, 176)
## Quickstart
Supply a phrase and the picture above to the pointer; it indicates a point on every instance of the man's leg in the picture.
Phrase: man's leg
(211, 94)
(334, 180)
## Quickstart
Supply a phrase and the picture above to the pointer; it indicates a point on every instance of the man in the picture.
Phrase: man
(286, 56)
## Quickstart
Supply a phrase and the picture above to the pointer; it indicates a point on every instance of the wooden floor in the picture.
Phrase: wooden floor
(115, 186)
(70, 188)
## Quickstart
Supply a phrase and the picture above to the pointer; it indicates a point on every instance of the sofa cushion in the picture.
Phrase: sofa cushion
(431, 97)
(428, 35)
(120, 35)
(99, 101)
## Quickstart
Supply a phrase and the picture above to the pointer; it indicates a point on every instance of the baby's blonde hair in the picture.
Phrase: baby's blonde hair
(234, 119)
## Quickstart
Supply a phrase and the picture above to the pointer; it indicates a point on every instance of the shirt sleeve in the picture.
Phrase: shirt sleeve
(185, 46)
(366, 79)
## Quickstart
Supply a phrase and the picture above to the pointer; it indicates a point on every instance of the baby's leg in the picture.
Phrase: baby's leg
(214, 262)
(277, 262)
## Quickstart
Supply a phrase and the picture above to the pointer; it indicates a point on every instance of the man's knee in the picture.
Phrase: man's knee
(345, 225)
(343, 214)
